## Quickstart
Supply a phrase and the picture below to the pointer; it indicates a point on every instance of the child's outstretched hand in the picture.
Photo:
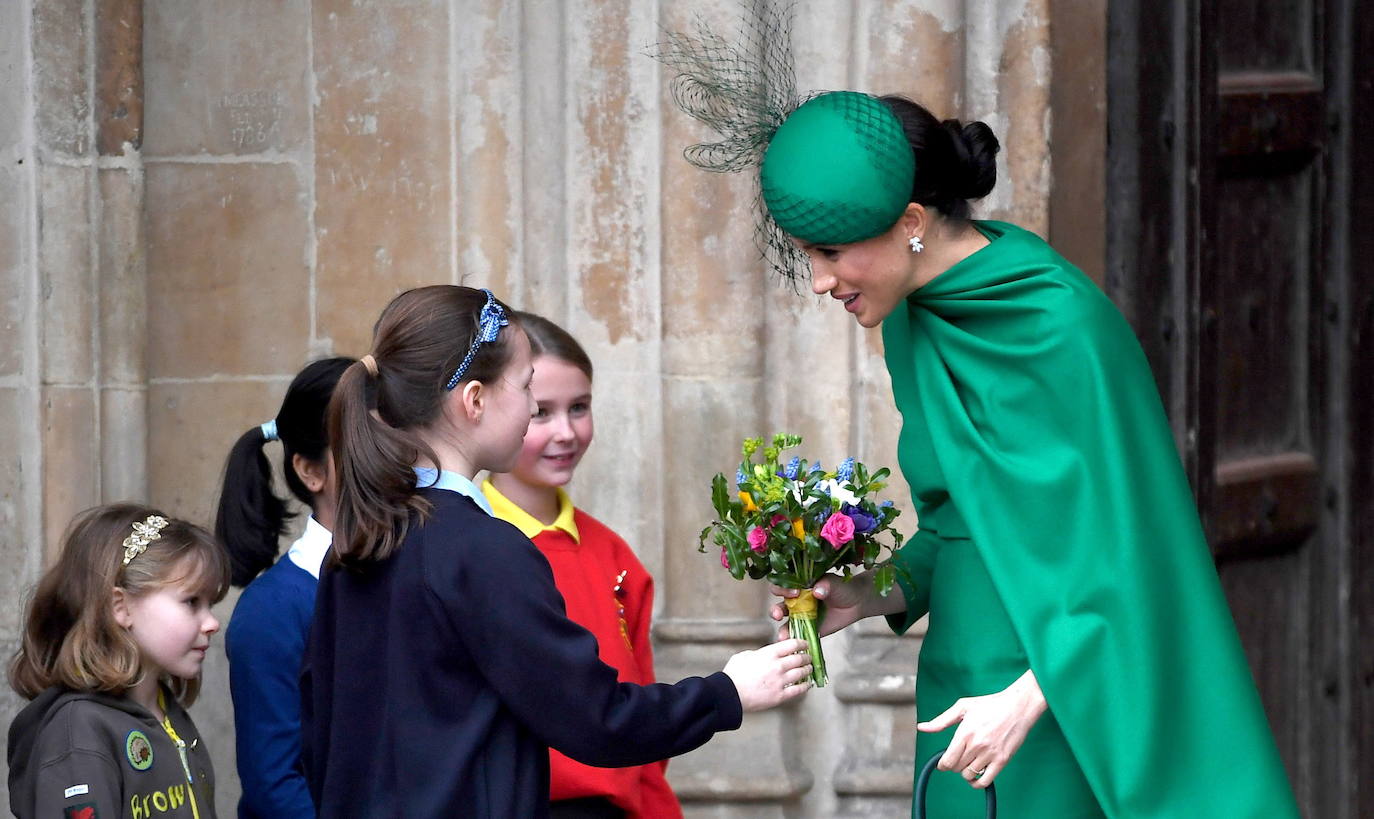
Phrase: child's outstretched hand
(771, 675)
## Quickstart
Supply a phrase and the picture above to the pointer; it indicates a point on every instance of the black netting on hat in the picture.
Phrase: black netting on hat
(879, 130)
(743, 88)
(831, 225)
(855, 142)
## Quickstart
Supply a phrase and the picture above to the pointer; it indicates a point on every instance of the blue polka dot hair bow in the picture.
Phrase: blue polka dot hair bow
(489, 325)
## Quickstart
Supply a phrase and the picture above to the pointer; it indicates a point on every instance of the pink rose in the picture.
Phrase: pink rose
(838, 529)
(758, 539)
(777, 519)
(724, 558)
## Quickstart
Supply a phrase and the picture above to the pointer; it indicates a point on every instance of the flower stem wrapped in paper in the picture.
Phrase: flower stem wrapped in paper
(792, 523)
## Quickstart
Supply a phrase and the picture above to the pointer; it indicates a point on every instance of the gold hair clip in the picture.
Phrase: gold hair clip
(143, 534)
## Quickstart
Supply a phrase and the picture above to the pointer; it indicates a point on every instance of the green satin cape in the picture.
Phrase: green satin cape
(1057, 454)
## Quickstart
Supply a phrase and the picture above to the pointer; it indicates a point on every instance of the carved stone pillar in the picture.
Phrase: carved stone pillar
(121, 268)
(22, 529)
(72, 408)
(715, 395)
(874, 775)
(88, 107)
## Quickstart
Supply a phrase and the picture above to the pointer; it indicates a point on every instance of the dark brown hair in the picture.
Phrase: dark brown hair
(417, 345)
(70, 634)
(954, 162)
(547, 338)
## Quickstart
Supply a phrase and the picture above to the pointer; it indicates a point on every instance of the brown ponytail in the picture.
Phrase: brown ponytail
(417, 344)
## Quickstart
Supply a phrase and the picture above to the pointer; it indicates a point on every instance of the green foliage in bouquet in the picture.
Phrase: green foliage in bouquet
(793, 523)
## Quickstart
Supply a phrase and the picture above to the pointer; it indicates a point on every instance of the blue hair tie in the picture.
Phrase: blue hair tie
(269, 430)
(489, 324)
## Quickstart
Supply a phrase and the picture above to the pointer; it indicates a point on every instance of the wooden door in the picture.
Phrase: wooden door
(1233, 180)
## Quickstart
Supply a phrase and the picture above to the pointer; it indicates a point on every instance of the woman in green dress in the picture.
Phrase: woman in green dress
(1080, 653)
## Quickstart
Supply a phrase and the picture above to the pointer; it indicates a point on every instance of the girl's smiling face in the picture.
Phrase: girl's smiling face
(561, 428)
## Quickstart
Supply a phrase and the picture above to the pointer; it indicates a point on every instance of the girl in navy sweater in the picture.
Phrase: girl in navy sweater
(441, 666)
(266, 636)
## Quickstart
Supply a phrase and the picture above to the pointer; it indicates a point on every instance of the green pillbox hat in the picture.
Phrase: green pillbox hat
(838, 170)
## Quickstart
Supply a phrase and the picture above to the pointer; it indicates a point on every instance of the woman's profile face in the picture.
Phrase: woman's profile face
(870, 278)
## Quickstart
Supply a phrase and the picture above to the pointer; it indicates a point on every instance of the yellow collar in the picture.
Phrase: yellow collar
(505, 509)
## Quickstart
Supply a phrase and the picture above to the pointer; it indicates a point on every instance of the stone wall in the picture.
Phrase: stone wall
(180, 233)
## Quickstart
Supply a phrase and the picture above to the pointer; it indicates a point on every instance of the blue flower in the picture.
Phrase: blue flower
(846, 470)
(793, 467)
(863, 522)
(816, 467)
(739, 477)
(887, 504)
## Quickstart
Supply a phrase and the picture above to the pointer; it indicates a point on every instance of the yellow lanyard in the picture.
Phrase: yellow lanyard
(181, 749)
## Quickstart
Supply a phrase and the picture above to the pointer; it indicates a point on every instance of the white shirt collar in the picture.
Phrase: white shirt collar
(425, 478)
(310, 548)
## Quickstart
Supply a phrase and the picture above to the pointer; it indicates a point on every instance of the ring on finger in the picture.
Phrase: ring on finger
(977, 774)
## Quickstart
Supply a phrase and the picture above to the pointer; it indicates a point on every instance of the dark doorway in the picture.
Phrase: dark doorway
(1239, 181)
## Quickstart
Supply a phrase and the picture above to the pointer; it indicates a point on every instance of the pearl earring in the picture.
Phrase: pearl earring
(915, 242)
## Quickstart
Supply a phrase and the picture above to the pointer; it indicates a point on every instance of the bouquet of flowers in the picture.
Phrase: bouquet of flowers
(792, 523)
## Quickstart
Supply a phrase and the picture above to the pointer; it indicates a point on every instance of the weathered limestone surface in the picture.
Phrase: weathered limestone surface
(58, 70)
(122, 310)
(488, 133)
(14, 268)
(122, 317)
(72, 380)
(227, 79)
(382, 194)
(186, 454)
(119, 76)
(69, 449)
(235, 300)
(198, 197)
(21, 493)
(14, 189)
(67, 288)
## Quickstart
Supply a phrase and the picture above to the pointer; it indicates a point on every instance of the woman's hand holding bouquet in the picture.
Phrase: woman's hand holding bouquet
(794, 523)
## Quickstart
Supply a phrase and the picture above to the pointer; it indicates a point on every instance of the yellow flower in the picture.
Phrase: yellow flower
(798, 529)
(748, 501)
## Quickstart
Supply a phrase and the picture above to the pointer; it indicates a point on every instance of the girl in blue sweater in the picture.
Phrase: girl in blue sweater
(267, 632)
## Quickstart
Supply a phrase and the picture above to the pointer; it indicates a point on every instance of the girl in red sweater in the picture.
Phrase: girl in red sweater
(604, 586)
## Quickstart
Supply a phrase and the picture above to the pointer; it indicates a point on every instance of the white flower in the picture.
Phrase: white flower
(836, 490)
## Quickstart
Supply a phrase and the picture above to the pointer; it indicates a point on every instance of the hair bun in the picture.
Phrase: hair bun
(976, 147)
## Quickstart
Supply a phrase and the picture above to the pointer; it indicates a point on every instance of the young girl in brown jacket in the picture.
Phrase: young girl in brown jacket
(111, 654)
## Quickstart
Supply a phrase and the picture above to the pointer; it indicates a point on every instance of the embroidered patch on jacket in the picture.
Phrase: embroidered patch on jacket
(86, 810)
(76, 790)
(138, 750)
